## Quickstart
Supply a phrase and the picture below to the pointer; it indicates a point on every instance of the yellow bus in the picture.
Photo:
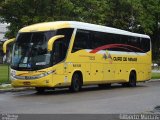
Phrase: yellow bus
(73, 54)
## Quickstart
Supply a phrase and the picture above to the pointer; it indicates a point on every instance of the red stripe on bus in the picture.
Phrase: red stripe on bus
(114, 46)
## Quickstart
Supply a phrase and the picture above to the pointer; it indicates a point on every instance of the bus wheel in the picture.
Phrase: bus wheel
(132, 79)
(76, 83)
(40, 89)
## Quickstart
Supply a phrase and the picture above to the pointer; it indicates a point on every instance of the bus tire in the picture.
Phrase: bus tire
(76, 83)
(132, 79)
(40, 89)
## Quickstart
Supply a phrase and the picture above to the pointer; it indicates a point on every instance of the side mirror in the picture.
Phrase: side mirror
(52, 40)
(6, 43)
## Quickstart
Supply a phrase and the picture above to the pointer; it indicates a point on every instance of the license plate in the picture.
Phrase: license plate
(27, 83)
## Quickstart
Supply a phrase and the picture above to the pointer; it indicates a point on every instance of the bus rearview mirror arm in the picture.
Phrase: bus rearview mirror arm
(52, 40)
(6, 43)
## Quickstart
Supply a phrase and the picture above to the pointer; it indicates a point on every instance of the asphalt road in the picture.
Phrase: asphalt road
(91, 100)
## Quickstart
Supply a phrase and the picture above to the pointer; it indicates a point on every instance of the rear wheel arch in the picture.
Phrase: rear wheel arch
(76, 81)
(80, 74)
(133, 78)
(133, 72)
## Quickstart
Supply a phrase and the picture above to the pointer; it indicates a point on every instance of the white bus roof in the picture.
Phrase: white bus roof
(46, 26)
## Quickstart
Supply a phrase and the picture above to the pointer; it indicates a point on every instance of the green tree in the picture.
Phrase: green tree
(20, 13)
(150, 21)
(119, 14)
(142, 16)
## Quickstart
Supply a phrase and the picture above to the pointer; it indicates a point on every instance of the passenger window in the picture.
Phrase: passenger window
(60, 46)
(82, 40)
(59, 50)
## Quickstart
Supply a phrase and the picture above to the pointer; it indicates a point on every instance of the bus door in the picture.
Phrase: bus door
(59, 53)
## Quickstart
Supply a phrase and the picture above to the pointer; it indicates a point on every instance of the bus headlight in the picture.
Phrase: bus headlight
(32, 77)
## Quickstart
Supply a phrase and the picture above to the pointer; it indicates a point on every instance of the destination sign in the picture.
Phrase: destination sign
(131, 59)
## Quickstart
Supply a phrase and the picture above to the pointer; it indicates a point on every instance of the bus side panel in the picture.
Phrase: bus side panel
(79, 61)
(109, 71)
(96, 72)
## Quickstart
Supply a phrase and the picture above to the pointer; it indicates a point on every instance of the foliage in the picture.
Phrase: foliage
(150, 20)
(119, 14)
(142, 16)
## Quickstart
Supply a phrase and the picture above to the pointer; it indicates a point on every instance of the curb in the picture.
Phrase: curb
(14, 89)
(154, 80)
(31, 88)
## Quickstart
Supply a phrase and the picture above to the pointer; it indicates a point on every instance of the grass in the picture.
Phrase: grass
(5, 87)
(4, 77)
(155, 75)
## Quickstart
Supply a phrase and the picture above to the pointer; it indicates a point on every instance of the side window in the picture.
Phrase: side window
(59, 51)
(135, 44)
(97, 41)
(60, 46)
(67, 32)
(140, 44)
(82, 40)
(100, 39)
(145, 44)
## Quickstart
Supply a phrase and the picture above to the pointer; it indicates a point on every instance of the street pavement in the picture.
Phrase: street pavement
(91, 100)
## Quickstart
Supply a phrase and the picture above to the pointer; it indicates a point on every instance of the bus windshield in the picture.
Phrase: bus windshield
(30, 51)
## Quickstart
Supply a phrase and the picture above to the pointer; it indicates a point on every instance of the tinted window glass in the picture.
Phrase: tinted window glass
(60, 46)
(82, 40)
(145, 44)
(116, 42)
